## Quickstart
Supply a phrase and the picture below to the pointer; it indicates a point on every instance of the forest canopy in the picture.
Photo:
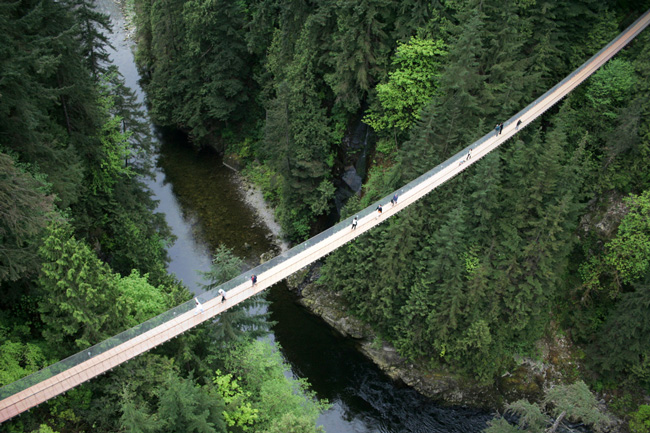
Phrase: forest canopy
(83, 254)
(547, 234)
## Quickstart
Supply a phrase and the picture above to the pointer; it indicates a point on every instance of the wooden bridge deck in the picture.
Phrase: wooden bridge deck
(96, 365)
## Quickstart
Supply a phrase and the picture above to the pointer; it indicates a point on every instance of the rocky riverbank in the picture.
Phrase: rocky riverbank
(527, 380)
(253, 196)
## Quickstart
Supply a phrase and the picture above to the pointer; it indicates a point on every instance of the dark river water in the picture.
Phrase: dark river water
(204, 208)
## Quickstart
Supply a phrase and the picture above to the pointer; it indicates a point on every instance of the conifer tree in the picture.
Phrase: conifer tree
(79, 304)
(165, 90)
(182, 406)
(360, 48)
(445, 122)
(26, 210)
(300, 137)
(215, 70)
(93, 30)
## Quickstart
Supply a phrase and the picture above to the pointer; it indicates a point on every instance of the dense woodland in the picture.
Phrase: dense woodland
(547, 236)
(83, 255)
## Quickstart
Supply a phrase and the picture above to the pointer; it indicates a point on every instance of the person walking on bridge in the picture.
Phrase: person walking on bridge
(254, 279)
(199, 307)
(393, 200)
(496, 129)
(354, 222)
(379, 209)
(223, 295)
(500, 128)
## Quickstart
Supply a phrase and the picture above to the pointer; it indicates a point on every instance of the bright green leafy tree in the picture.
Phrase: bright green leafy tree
(410, 86)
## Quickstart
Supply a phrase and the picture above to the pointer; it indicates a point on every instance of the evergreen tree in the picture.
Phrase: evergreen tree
(439, 133)
(33, 36)
(134, 122)
(215, 88)
(93, 30)
(165, 89)
(25, 214)
(183, 406)
(360, 48)
(79, 304)
(303, 154)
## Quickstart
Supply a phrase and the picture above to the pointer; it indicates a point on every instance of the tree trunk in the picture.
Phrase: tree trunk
(557, 422)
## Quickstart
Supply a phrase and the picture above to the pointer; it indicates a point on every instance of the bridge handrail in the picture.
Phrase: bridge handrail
(93, 351)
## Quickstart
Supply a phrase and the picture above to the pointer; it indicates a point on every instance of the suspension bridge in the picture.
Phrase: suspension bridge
(64, 375)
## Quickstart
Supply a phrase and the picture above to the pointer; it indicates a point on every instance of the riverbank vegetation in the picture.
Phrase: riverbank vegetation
(83, 254)
(547, 234)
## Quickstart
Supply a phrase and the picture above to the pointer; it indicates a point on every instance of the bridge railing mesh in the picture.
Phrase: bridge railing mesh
(86, 354)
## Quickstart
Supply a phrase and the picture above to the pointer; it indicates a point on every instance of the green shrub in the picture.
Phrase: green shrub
(640, 421)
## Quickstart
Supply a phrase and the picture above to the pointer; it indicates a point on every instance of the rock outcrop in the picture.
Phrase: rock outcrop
(528, 380)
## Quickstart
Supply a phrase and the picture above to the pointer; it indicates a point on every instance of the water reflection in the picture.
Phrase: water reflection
(210, 199)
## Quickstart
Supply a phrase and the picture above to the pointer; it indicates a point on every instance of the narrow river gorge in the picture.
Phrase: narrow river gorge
(205, 206)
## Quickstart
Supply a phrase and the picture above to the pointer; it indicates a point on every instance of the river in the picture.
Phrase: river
(204, 206)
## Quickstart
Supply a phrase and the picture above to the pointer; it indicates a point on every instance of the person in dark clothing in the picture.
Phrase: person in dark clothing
(254, 279)
(500, 128)
(518, 123)
(379, 210)
(469, 154)
(393, 200)
(496, 129)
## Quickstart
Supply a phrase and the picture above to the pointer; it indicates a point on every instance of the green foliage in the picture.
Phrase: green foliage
(410, 86)
(622, 343)
(83, 301)
(298, 134)
(115, 147)
(183, 406)
(609, 88)
(239, 322)
(94, 27)
(626, 257)
(264, 177)
(225, 267)
(19, 360)
(500, 425)
(79, 295)
(25, 214)
(640, 420)
(238, 409)
(324, 194)
(579, 404)
(187, 407)
(278, 399)
(291, 422)
(44, 429)
(629, 251)
(360, 47)
(20, 353)
(140, 300)
(575, 402)
(197, 62)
